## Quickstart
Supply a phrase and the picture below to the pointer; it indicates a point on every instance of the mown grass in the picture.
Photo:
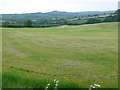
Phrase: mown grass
(75, 55)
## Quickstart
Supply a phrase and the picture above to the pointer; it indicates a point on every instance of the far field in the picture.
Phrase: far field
(77, 56)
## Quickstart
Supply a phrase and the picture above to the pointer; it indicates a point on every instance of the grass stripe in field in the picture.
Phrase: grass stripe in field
(76, 55)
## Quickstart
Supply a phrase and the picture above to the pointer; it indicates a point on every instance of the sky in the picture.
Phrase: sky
(31, 6)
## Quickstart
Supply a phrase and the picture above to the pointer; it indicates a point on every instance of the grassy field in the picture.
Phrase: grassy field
(77, 56)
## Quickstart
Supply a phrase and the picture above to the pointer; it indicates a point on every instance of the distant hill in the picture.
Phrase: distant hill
(85, 13)
(49, 15)
(56, 18)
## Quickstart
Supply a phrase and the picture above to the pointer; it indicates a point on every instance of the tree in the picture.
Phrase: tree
(28, 23)
(6, 23)
(93, 20)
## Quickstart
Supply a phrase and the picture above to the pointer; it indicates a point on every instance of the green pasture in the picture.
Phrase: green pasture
(77, 56)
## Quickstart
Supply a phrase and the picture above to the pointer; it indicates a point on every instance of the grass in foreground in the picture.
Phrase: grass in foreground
(75, 55)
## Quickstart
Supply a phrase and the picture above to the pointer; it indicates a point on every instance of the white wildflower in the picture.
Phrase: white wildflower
(56, 84)
(91, 85)
(95, 84)
(54, 80)
(46, 87)
(48, 84)
(98, 85)
(57, 81)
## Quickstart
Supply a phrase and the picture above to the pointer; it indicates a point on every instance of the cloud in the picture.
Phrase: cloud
(27, 6)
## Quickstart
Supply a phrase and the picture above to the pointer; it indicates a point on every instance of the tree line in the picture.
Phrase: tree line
(76, 20)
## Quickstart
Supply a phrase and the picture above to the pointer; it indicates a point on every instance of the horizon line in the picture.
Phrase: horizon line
(62, 11)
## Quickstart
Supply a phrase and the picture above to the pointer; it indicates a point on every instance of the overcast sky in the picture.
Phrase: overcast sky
(30, 6)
